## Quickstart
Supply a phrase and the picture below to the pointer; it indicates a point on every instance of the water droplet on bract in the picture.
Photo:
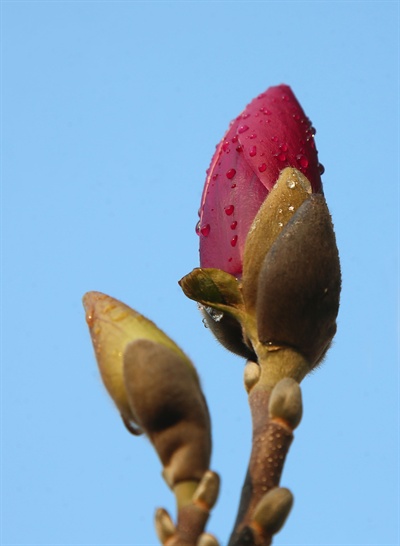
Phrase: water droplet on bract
(205, 230)
(321, 168)
(291, 184)
(229, 210)
(281, 156)
(214, 313)
(89, 319)
(253, 136)
(235, 139)
(242, 129)
(230, 174)
(197, 229)
(234, 240)
(283, 147)
(253, 151)
(303, 161)
(233, 225)
(262, 167)
(239, 148)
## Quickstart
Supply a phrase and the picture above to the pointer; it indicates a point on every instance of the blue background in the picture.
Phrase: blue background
(110, 115)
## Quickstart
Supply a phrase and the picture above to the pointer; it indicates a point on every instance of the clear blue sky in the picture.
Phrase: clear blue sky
(110, 115)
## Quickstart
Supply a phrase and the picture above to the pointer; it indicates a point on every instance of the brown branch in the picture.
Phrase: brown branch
(275, 413)
(192, 517)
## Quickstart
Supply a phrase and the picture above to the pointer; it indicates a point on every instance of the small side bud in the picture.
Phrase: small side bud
(165, 396)
(206, 539)
(164, 525)
(207, 491)
(273, 509)
(252, 372)
(285, 402)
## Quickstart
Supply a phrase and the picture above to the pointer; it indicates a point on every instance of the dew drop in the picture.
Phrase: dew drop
(281, 156)
(214, 313)
(235, 139)
(197, 229)
(234, 240)
(321, 168)
(253, 136)
(214, 177)
(303, 161)
(243, 129)
(233, 225)
(253, 151)
(230, 174)
(284, 147)
(229, 210)
(225, 145)
(239, 148)
(291, 184)
(262, 167)
(205, 230)
(274, 139)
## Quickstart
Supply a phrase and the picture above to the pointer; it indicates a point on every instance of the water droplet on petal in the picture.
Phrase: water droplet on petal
(243, 129)
(281, 156)
(284, 147)
(262, 167)
(225, 145)
(234, 240)
(239, 148)
(233, 225)
(303, 161)
(229, 210)
(214, 177)
(197, 229)
(230, 174)
(253, 151)
(235, 139)
(205, 230)
(253, 136)
(321, 168)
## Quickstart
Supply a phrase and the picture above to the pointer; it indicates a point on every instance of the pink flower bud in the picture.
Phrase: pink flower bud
(270, 134)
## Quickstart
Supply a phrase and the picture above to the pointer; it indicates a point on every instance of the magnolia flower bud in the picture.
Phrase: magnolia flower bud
(270, 134)
(167, 401)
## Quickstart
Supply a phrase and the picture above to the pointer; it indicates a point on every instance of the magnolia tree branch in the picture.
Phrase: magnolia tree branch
(263, 506)
(192, 517)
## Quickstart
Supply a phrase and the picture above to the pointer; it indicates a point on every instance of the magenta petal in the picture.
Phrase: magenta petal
(271, 133)
(282, 135)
